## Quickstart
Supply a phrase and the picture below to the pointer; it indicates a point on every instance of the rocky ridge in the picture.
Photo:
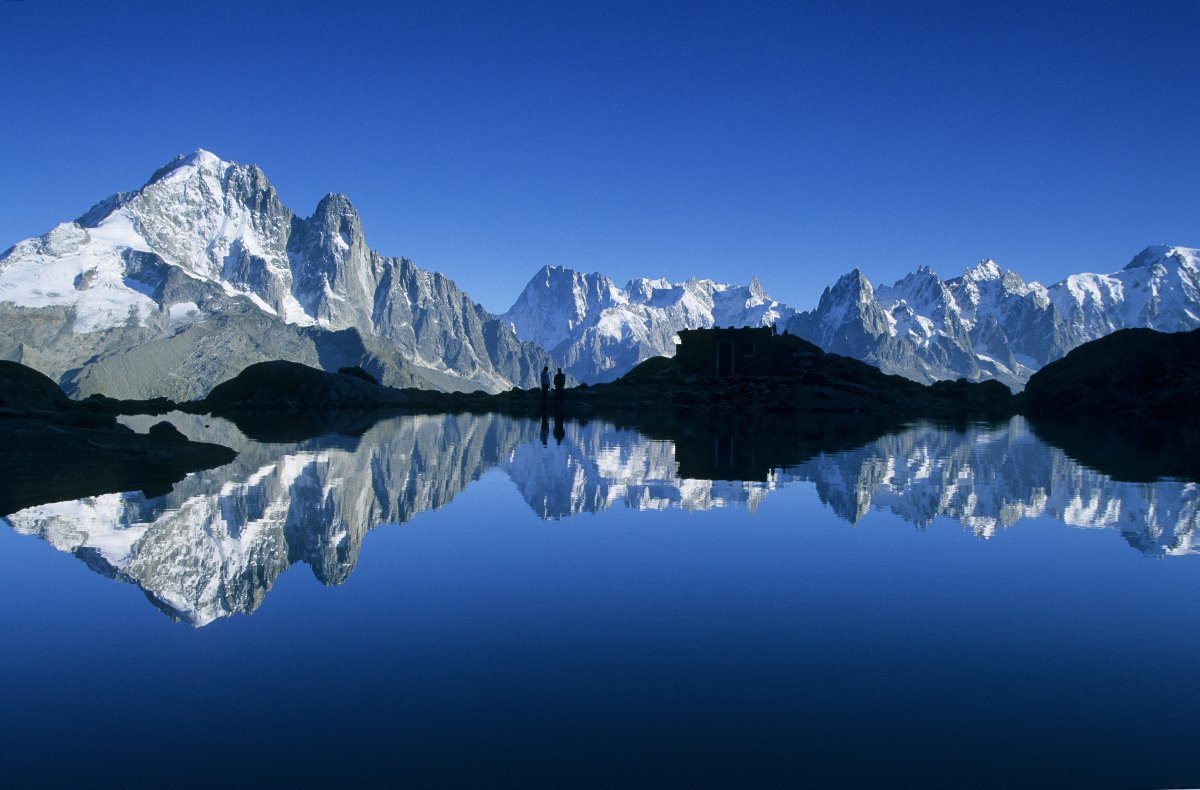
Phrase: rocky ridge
(992, 324)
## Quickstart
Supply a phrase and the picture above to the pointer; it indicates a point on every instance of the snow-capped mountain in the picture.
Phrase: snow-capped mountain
(175, 287)
(598, 331)
(990, 323)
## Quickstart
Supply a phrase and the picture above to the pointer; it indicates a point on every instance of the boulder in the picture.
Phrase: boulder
(290, 385)
(24, 388)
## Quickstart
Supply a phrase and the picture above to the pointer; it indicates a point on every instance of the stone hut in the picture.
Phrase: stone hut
(725, 352)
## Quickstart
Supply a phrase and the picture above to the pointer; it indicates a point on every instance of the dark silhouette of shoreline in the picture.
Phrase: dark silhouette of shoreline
(54, 449)
(1125, 405)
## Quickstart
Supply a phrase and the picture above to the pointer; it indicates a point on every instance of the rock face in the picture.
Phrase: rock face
(599, 331)
(176, 287)
(991, 324)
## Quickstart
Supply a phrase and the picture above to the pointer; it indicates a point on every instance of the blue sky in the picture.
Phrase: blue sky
(790, 141)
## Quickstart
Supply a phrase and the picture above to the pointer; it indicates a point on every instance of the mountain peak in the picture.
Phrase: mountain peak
(551, 274)
(854, 280)
(335, 226)
(335, 203)
(923, 274)
(599, 331)
(1162, 253)
(199, 159)
(987, 269)
(210, 238)
(204, 158)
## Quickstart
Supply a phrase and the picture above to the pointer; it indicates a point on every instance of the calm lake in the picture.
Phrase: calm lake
(479, 600)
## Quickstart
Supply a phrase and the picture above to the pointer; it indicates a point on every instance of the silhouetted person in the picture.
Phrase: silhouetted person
(559, 433)
(560, 381)
(545, 384)
(544, 433)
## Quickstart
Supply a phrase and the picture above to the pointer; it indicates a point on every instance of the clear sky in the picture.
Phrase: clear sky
(790, 141)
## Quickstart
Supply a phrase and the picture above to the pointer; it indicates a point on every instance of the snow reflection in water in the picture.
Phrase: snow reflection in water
(215, 545)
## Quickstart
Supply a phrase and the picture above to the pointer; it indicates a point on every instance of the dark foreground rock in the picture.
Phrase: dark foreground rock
(279, 401)
(750, 447)
(290, 386)
(1131, 373)
(1125, 404)
(288, 427)
(53, 449)
(793, 377)
(25, 388)
(47, 462)
(288, 402)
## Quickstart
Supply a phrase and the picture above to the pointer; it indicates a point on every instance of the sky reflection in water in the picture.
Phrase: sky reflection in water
(527, 621)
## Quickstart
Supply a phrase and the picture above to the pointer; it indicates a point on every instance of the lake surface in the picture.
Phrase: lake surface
(478, 600)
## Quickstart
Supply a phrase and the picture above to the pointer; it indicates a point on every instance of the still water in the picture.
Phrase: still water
(478, 600)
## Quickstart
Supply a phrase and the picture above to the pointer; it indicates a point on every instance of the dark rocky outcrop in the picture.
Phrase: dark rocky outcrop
(290, 386)
(165, 430)
(1125, 404)
(358, 373)
(791, 376)
(22, 387)
(53, 449)
(1133, 373)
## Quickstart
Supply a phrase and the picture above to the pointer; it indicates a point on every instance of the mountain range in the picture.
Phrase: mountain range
(988, 323)
(599, 331)
(991, 324)
(175, 287)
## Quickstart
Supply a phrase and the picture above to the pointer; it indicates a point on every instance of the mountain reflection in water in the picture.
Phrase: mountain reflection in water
(215, 545)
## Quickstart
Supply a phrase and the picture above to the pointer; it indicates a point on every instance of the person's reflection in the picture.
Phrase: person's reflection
(559, 433)
(544, 433)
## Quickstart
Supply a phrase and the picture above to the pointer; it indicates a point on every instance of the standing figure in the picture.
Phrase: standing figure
(545, 384)
(560, 381)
